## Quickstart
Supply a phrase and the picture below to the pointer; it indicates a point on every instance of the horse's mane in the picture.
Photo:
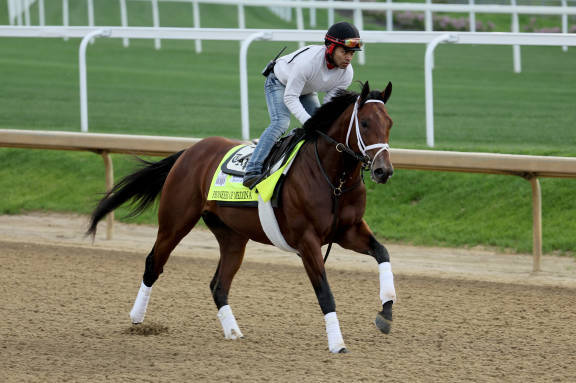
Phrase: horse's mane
(325, 116)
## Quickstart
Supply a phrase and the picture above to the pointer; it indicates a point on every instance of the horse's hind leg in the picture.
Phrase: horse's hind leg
(174, 224)
(232, 247)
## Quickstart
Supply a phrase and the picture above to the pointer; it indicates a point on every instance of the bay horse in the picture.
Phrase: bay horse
(323, 200)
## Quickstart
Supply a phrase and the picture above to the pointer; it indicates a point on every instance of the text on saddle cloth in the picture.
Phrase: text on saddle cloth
(227, 185)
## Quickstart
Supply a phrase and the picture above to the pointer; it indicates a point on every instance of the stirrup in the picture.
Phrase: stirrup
(251, 179)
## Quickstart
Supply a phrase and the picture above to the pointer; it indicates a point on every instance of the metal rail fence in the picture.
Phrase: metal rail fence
(247, 36)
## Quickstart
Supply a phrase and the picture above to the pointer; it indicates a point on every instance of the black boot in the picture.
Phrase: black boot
(251, 179)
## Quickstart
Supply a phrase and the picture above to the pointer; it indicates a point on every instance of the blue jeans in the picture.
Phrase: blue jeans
(279, 120)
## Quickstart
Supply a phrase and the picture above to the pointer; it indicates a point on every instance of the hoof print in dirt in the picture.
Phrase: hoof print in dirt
(146, 329)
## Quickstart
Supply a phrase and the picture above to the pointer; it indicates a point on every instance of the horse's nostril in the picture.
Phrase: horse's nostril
(379, 172)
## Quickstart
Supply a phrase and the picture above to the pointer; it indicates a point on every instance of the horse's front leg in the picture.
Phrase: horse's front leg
(360, 239)
(311, 254)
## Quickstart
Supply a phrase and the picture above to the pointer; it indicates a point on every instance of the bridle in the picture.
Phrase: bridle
(361, 157)
(363, 148)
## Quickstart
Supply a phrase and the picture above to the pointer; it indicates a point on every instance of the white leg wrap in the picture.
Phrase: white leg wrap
(387, 291)
(335, 340)
(228, 322)
(140, 304)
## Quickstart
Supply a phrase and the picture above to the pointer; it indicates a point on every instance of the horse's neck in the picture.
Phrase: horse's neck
(338, 166)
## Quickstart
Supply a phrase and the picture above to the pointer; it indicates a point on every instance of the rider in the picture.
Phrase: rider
(292, 85)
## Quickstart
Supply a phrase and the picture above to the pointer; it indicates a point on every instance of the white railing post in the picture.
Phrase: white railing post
(124, 20)
(330, 17)
(472, 18)
(428, 58)
(312, 17)
(359, 23)
(428, 23)
(299, 23)
(244, 80)
(288, 14)
(65, 16)
(241, 17)
(156, 21)
(10, 12)
(41, 13)
(564, 22)
(18, 7)
(196, 11)
(83, 80)
(516, 29)
(90, 6)
(26, 6)
(389, 18)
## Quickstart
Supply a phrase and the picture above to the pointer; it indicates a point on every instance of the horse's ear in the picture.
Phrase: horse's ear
(387, 92)
(364, 93)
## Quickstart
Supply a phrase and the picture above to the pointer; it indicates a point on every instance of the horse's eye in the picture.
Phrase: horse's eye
(364, 124)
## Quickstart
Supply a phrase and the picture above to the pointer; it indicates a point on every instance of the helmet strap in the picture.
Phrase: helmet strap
(329, 59)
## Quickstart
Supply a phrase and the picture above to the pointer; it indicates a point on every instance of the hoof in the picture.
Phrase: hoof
(343, 350)
(382, 323)
(234, 335)
(136, 318)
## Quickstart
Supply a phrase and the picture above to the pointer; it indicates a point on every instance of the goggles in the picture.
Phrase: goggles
(353, 43)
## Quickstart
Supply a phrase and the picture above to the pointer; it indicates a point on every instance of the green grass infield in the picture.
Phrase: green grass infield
(480, 105)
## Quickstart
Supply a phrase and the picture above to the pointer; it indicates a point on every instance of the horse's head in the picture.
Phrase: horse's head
(359, 125)
(371, 125)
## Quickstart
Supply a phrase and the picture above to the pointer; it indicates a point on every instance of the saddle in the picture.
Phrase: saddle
(226, 187)
(236, 164)
(281, 151)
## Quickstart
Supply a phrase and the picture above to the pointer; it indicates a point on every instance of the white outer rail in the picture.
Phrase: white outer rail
(389, 6)
(528, 167)
(428, 8)
(381, 6)
(484, 38)
(232, 34)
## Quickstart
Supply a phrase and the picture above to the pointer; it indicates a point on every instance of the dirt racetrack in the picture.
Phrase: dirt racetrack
(462, 316)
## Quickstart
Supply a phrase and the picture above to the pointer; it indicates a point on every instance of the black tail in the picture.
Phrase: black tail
(142, 187)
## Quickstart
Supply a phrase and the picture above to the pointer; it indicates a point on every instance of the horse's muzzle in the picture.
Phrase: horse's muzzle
(382, 174)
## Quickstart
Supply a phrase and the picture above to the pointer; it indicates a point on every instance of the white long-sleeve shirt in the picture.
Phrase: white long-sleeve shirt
(308, 73)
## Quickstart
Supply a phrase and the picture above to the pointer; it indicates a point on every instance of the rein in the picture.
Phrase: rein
(362, 157)
(337, 191)
(342, 148)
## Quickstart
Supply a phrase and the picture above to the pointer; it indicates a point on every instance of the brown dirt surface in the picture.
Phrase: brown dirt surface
(462, 315)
